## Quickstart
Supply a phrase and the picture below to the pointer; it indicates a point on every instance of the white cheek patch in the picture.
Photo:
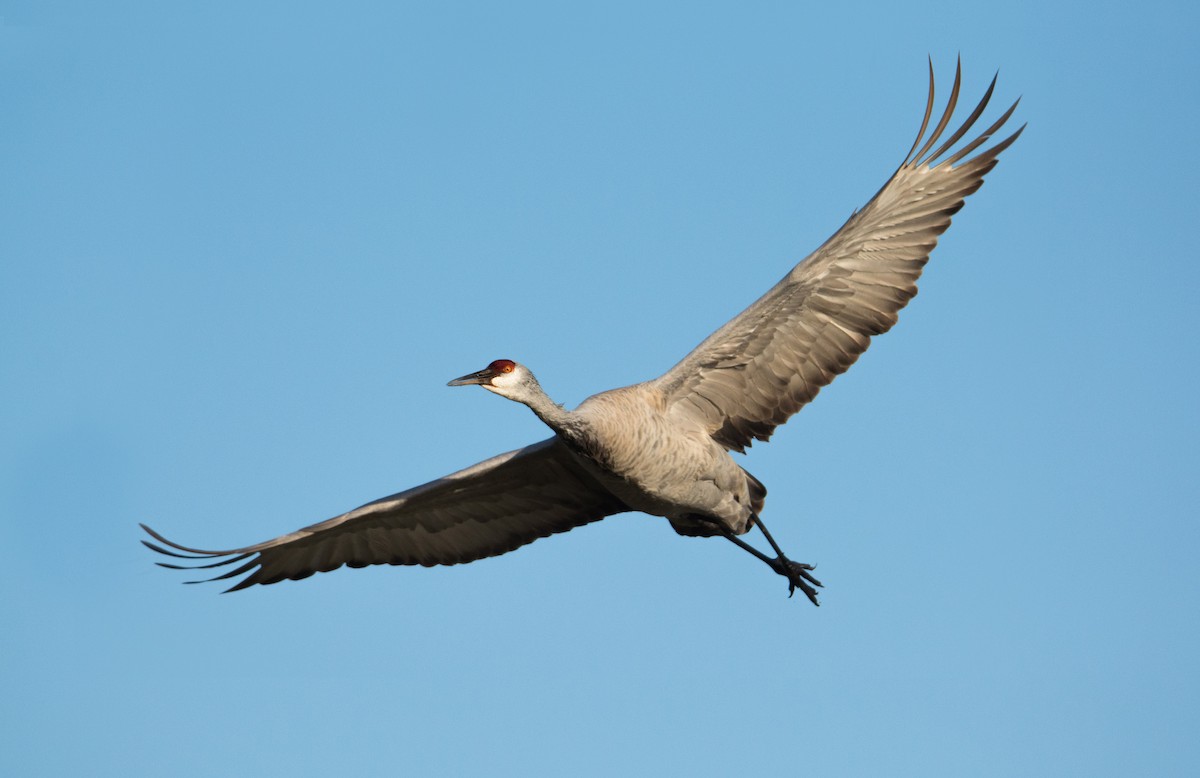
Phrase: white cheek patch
(505, 379)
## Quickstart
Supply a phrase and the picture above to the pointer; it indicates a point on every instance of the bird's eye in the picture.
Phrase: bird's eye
(503, 366)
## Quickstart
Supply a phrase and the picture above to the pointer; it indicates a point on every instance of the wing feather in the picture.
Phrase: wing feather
(485, 510)
(752, 374)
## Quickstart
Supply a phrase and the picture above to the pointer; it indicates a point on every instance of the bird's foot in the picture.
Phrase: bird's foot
(797, 573)
(798, 576)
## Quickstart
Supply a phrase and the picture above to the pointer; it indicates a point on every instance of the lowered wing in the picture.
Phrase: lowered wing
(485, 510)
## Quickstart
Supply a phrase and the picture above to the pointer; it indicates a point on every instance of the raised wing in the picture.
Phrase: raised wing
(752, 374)
(484, 510)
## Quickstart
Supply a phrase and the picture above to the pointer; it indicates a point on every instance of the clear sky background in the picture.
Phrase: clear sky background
(244, 246)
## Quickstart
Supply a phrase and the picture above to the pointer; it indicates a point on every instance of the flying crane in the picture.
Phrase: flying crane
(663, 447)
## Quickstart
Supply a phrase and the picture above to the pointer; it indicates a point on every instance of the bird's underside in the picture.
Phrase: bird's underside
(736, 387)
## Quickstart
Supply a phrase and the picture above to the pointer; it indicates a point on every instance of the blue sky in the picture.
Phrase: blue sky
(245, 247)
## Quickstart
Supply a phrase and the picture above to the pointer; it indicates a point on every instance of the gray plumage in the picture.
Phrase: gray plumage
(662, 447)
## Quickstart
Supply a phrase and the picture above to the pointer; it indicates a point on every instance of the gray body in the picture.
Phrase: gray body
(659, 462)
(663, 447)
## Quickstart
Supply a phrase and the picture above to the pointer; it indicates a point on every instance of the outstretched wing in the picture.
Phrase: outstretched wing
(752, 374)
(484, 510)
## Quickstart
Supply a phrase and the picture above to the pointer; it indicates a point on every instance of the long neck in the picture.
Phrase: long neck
(554, 415)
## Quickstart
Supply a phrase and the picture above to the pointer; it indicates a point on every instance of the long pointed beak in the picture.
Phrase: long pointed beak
(482, 377)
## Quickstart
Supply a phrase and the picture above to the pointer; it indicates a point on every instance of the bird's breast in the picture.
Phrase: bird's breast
(650, 462)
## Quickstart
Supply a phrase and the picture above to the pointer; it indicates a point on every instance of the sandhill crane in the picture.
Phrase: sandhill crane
(663, 447)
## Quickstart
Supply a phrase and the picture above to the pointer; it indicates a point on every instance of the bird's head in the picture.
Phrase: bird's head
(503, 376)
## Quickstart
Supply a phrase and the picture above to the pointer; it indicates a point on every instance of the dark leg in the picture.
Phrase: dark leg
(797, 573)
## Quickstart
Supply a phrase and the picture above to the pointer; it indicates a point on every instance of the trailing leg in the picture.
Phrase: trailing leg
(796, 573)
